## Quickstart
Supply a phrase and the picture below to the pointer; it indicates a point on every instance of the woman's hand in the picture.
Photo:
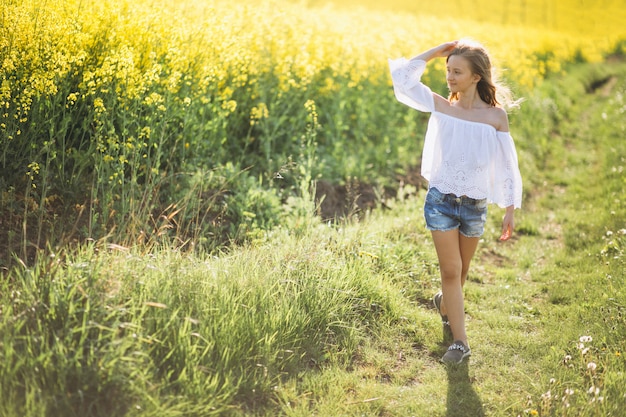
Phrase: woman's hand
(508, 224)
(446, 48)
(441, 51)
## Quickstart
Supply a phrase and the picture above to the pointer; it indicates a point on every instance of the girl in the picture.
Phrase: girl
(469, 160)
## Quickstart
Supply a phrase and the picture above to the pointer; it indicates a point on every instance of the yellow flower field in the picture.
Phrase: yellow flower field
(230, 43)
(110, 96)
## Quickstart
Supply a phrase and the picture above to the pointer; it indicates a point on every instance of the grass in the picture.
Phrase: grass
(336, 319)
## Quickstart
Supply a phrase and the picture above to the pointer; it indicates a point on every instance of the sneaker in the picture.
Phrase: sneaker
(447, 331)
(456, 353)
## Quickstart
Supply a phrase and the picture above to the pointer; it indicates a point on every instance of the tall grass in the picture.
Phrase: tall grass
(110, 331)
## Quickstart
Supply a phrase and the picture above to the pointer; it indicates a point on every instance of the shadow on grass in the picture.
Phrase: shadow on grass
(462, 399)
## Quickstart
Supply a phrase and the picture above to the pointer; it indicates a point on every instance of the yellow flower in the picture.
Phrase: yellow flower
(98, 104)
(258, 113)
(72, 98)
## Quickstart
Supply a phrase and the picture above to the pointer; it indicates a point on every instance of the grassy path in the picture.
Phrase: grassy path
(529, 302)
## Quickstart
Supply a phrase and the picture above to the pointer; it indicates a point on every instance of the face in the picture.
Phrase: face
(459, 74)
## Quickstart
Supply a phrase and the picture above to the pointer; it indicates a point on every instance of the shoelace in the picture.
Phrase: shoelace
(458, 346)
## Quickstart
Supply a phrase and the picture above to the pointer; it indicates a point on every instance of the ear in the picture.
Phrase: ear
(477, 78)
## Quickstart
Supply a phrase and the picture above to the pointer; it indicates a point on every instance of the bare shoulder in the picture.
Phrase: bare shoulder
(499, 119)
(493, 116)
(441, 103)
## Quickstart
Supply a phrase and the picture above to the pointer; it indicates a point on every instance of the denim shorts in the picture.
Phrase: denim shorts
(445, 212)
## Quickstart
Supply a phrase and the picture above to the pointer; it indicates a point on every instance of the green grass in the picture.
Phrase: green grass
(336, 319)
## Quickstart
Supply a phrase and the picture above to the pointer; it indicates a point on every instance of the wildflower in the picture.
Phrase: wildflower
(258, 113)
(534, 412)
(592, 366)
(230, 106)
(618, 354)
(593, 390)
(145, 133)
(72, 98)
(569, 392)
(585, 339)
(98, 105)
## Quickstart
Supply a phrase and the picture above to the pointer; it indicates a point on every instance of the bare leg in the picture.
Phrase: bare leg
(455, 253)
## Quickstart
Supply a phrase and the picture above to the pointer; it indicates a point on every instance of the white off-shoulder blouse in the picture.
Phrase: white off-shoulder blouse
(460, 157)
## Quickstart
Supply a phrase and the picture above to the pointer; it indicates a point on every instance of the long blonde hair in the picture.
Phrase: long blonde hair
(490, 90)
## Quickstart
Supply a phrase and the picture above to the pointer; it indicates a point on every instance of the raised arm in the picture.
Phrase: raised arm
(406, 75)
(440, 51)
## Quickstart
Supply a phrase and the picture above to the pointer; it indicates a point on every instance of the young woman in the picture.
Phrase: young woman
(469, 160)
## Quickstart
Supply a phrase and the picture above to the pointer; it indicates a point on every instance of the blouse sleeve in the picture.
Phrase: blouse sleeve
(406, 75)
(508, 187)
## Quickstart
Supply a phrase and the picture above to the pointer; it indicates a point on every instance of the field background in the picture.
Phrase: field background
(213, 208)
(149, 122)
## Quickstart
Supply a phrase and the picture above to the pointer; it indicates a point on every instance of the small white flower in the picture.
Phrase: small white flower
(592, 366)
(569, 392)
(585, 339)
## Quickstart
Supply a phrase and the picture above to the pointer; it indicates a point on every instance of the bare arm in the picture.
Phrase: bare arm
(440, 51)
(508, 223)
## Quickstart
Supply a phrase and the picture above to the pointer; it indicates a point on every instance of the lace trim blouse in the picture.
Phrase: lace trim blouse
(460, 157)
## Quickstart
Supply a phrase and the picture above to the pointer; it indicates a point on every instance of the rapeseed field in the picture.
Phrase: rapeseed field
(114, 109)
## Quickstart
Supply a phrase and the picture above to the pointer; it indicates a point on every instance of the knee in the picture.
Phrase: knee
(450, 272)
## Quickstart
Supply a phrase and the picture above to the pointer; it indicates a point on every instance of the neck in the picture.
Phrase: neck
(470, 99)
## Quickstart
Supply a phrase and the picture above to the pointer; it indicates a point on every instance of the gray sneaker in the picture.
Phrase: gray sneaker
(447, 331)
(456, 353)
